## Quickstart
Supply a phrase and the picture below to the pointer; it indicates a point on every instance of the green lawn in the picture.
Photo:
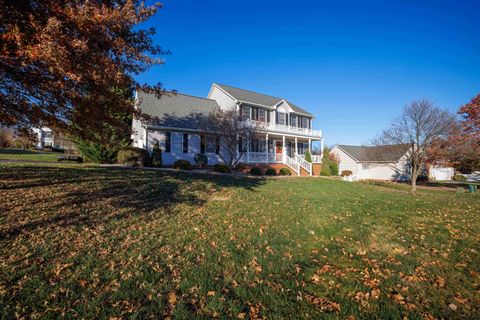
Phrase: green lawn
(86, 242)
(28, 155)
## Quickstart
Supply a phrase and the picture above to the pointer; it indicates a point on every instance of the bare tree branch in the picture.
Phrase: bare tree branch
(420, 125)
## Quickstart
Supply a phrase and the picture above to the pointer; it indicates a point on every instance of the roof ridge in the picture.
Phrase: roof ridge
(264, 94)
(170, 93)
(189, 95)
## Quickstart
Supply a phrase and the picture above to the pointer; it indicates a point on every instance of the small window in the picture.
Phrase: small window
(177, 142)
(365, 166)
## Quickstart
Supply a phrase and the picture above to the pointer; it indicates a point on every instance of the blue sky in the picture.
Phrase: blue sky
(354, 64)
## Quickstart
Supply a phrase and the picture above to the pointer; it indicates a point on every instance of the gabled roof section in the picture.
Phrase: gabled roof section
(175, 110)
(386, 153)
(259, 98)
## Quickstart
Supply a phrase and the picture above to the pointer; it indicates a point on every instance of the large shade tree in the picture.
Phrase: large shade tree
(462, 147)
(59, 57)
(419, 126)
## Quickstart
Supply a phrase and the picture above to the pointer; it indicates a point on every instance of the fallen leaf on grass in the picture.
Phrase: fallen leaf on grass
(452, 307)
(323, 304)
(210, 293)
(440, 282)
(172, 298)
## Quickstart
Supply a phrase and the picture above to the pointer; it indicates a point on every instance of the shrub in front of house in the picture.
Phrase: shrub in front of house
(326, 171)
(182, 165)
(201, 159)
(346, 173)
(222, 168)
(156, 160)
(334, 169)
(270, 172)
(240, 167)
(459, 177)
(285, 172)
(256, 171)
(133, 156)
(308, 157)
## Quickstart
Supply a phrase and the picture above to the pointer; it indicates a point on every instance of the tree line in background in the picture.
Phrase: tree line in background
(70, 66)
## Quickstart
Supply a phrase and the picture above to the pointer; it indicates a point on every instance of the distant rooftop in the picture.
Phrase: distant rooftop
(386, 153)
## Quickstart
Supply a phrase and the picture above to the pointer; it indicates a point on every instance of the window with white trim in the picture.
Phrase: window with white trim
(365, 166)
(293, 121)
(246, 112)
(177, 142)
(281, 118)
(262, 115)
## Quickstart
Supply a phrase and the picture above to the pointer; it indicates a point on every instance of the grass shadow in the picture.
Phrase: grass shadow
(73, 196)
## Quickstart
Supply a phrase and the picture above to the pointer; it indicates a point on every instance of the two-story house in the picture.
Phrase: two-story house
(285, 136)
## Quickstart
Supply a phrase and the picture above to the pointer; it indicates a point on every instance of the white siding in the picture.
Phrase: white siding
(346, 162)
(283, 107)
(168, 158)
(440, 173)
(224, 100)
(384, 171)
(372, 170)
(137, 133)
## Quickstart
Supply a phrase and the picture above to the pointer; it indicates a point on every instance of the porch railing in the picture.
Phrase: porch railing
(304, 164)
(315, 158)
(270, 126)
(292, 164)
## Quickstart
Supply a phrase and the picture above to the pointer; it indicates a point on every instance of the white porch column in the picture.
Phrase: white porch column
(283, 150)
(296, 146)
(310, 146)
(321, 149)
(248, 148)
(266, 148)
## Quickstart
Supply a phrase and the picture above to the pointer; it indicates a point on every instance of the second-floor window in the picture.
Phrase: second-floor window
(293, 120)
(282, 118)
(246, 112)
(262, 115)
(48, 135)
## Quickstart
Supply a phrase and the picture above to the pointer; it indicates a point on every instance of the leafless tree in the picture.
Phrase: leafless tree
(235, 133)
(419, 126)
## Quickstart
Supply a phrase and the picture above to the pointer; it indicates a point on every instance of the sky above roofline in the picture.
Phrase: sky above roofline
(353, 64)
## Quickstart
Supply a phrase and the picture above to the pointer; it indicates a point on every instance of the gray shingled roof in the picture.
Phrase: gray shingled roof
(387, 153)
(258, 98)
(176, 110)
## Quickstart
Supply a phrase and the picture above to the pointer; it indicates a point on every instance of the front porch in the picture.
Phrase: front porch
(276, 149)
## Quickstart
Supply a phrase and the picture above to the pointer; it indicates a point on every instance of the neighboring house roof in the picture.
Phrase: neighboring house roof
(175, 110)
(386, 153)
(258, 98)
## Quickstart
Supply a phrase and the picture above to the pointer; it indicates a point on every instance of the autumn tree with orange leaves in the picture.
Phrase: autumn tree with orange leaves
(462, 147)
(59, 57)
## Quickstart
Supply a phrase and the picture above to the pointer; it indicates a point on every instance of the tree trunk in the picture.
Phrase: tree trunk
(414, 181)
